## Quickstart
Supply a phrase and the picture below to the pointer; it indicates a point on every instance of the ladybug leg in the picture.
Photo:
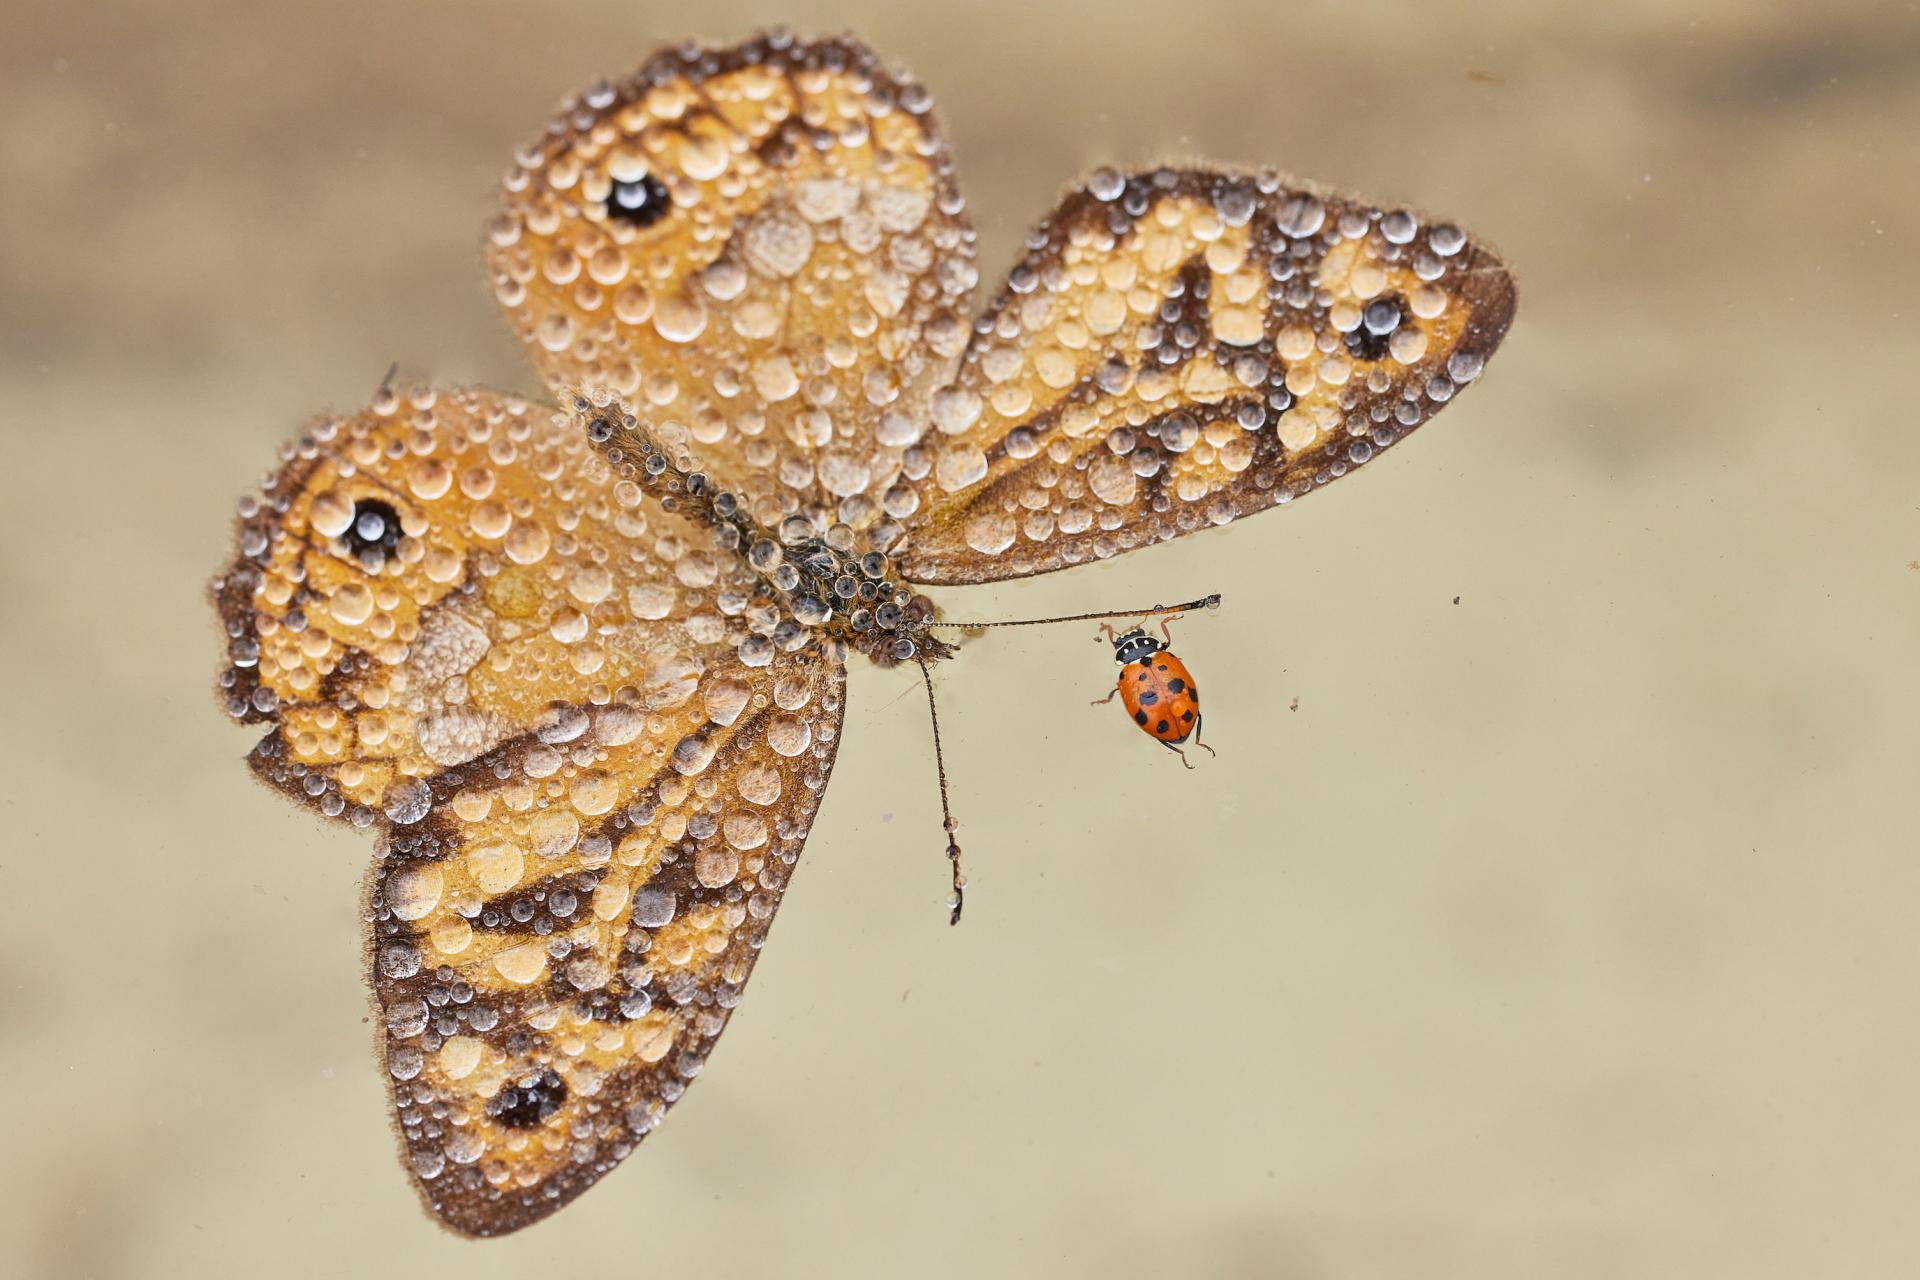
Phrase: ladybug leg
(1183, 755)
(1167, 622)
(1101, 702)
(1197, 722)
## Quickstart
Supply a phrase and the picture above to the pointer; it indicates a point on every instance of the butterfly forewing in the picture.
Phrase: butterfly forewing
(1183, 347)
(436, 575)
(762, 246)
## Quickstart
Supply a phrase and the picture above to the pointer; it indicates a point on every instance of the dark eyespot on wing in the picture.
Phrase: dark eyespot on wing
(1371, 338)
(375, 525)
(639, 204)
(527, 1102)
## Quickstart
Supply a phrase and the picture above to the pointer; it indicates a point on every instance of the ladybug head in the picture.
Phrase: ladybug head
(1134, 645)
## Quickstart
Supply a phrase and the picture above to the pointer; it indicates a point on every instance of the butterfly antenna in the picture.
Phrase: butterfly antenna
(1206, 602)
(946, 810)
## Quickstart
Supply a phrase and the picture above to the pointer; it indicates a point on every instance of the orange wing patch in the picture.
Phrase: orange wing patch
(1185, 347)
(763, 244)
(433, 576)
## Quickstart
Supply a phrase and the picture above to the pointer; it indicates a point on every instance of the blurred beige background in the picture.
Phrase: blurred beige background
(1572, 928)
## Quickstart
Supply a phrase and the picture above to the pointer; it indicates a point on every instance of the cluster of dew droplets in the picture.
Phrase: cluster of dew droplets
(623, 920)
(451, 563)
(786, 289)
(529, 830)
(645, 967)
(344, 610)
(1173, 331)
(818, 576)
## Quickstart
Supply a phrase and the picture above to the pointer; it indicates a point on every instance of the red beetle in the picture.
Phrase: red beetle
(1156, 688)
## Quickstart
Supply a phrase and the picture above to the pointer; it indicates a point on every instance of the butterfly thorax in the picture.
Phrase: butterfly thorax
(832, 581)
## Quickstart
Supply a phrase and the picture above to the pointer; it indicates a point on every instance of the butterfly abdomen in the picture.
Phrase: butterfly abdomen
(1159, 694)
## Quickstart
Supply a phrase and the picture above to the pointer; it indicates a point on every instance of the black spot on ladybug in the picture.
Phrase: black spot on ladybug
(526, 1104)
(1143, 674)
(1148, 698)
(1139, 717)
(1186, 715)
(638, 204)
(1161, 727)
(1162, 667)
(1176, 685)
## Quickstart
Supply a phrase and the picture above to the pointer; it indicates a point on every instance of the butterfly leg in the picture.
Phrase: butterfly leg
(1197, 722)
(959, 899)
(1183, 755)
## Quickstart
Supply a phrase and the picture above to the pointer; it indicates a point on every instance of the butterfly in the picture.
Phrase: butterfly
(581, 668)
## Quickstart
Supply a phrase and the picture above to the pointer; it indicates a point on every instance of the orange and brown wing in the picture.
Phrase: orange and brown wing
(762, 244)
(556, 958)
(440, 573)
(588, 765)
(1183, 347)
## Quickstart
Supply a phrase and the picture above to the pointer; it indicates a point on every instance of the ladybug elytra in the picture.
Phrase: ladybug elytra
(1156, 688)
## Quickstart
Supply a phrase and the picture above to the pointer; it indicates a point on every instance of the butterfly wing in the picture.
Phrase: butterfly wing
(588, 766)
(554, 971)
(761, 246)
(1180, 348)
(431, 577)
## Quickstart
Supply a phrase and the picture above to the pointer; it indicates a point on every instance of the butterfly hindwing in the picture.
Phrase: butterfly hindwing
(554, 965)
(762, 245)
(1181, 347)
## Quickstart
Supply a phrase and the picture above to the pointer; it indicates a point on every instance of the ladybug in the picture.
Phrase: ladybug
(1156, 688)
